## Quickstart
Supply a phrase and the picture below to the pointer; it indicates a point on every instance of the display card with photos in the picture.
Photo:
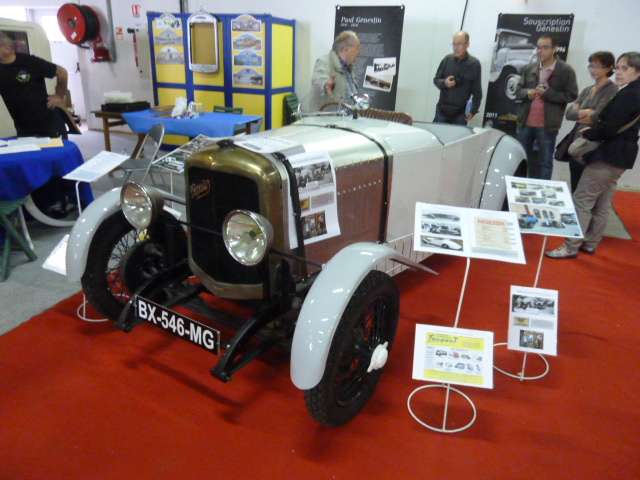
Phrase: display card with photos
(544, 207)
(453, 355)
(468, 232)
(533, 320)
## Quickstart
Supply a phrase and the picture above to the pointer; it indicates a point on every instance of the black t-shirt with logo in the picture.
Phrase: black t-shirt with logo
(24, 92)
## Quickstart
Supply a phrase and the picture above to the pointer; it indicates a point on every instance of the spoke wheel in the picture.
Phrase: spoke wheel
(120, 259)
(369, 321)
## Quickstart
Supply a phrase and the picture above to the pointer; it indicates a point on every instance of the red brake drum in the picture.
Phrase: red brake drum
(78, 23)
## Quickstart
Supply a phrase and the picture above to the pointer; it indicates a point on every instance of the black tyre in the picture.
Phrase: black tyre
(370, 320)
(121, 258)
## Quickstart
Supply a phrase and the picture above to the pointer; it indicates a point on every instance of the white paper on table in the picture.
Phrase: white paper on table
(27, 147)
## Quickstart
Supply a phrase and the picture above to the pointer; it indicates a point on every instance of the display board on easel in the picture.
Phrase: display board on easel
(255, 68)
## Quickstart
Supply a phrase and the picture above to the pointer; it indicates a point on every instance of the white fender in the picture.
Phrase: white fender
(505, 160)
(325, 303)
(85, 228)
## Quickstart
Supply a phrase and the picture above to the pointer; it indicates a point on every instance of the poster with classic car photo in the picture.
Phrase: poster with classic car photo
(533, 320)
(544, 207)
(515, 48)
(468, 232)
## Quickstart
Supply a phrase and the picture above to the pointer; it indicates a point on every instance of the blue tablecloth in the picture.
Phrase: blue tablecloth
(211, 124)
(21, 173)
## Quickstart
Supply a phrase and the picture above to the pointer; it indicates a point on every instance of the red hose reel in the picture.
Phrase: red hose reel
(80, 24)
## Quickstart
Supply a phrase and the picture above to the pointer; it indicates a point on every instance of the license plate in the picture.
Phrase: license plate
(179, 325)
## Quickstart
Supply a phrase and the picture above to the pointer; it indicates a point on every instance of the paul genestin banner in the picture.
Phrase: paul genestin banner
(513, 50)
(380, 32)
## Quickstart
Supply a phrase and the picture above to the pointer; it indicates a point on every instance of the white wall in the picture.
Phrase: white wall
(428, 25)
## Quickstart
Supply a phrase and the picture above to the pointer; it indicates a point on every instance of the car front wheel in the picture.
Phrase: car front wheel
(121, 258)
(367, 327)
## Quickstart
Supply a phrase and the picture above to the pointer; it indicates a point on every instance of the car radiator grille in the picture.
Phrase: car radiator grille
(212, 196)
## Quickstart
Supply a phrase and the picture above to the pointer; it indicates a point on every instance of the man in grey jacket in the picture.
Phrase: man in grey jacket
(332, 79)
(545, 88)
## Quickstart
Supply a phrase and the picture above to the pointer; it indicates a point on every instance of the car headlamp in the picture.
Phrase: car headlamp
(141, 204)
(247, 236)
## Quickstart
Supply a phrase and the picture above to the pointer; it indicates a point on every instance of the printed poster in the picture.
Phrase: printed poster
(380, 32)
(514, 48)
(453, 355)
(544, 207)
(468, 232)
(533, 320)
(175, 160)
(316, 179)
(248, 51)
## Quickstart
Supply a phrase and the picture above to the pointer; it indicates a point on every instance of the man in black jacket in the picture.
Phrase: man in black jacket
(458, 78)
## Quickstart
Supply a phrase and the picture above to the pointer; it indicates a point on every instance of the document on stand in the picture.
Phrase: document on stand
(453, 355)
(544, 207)
(533, 320)
(468, 232)
(96, 167)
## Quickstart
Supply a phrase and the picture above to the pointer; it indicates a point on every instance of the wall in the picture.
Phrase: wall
(428, 26)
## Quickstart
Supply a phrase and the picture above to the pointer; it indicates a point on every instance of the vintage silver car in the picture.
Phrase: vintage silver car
(329, 299)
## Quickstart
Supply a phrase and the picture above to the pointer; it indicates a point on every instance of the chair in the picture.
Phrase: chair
(9, 213)
(291, 108)
(222, 109)
(139, 164)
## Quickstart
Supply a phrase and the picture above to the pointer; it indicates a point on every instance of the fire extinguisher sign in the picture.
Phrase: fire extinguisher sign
(135, 11)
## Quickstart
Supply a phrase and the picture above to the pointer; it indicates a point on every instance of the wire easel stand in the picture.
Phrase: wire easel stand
(81, 312)
(449, 388)
(522, 375)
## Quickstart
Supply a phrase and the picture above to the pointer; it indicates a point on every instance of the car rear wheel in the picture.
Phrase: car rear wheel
(121, 258)
(362, 340)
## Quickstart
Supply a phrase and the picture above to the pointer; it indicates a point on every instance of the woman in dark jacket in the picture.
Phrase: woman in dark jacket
(608, 162)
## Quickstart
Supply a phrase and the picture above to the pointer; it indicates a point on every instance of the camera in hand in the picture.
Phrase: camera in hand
(458, 79)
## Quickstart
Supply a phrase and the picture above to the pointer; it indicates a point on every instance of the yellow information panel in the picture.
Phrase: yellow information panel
(282, 56)
(167, 96)
(168, 49)
(252, 104)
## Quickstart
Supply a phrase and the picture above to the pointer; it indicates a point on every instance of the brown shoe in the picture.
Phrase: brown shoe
(562, 252)
(585, 249)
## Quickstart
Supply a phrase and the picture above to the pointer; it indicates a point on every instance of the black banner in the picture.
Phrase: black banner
(380, 32)
(514, 48)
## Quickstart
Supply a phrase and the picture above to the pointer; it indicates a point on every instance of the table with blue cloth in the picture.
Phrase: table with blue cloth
(22, 173)
(211, 124)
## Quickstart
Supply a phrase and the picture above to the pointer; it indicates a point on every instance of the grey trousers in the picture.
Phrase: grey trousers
(593, 199)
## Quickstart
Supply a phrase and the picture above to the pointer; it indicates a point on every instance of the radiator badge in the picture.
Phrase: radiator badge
(200, 190)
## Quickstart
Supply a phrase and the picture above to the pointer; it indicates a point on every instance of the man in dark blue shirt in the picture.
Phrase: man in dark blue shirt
(23, 89)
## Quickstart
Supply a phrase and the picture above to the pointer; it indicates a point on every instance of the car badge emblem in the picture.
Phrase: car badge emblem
(200, 190)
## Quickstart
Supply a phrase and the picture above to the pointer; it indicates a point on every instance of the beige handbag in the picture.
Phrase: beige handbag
(581, 145)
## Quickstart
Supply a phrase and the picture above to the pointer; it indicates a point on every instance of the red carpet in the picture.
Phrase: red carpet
(84, 401)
